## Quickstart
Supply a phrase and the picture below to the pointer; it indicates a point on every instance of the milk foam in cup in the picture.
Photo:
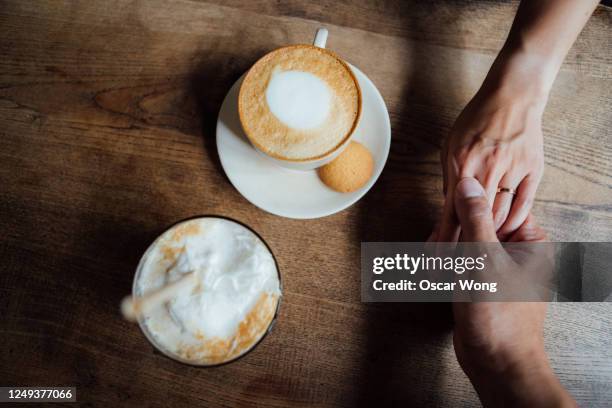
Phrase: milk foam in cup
(234, 302)
(298, 99)
(299, 105)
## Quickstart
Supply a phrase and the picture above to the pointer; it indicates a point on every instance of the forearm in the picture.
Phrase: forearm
(548, 28)
(541, 36)
(534, 385)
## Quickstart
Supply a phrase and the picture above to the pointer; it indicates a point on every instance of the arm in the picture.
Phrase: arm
(544, 31)
(500, 345)
(497, 139)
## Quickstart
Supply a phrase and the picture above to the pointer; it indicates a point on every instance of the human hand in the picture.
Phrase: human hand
(498, 140)
(500, 346)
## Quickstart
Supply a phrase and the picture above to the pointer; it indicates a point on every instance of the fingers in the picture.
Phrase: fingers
(433, 237)
(443, 157)
(503, 200)
(523, 202)
(473, 211)
(490, 182)
(529, 231)
(449, 226)
(501, 208)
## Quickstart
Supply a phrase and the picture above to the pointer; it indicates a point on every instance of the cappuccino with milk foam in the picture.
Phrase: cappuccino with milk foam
(299, 103)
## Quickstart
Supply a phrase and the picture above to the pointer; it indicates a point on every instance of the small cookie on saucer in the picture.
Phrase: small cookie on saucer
(350, 171)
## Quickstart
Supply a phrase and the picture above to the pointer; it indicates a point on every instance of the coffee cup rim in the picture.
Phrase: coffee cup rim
(166, 353)
(339, 145)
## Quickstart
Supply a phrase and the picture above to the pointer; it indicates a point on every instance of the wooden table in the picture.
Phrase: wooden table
(107, 113)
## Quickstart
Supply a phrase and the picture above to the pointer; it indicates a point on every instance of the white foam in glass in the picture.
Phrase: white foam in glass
(233, 267)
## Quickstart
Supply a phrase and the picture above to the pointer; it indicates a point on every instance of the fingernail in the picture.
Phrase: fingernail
(469, 187)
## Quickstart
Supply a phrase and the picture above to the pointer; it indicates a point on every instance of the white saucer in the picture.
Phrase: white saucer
(293, 193)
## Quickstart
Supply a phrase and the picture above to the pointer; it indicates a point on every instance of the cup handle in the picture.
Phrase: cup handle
(320, 38)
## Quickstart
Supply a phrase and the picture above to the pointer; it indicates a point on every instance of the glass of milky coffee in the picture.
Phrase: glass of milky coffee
(232, 302)
(299, 105)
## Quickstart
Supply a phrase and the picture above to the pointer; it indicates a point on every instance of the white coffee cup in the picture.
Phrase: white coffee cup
(304, 165)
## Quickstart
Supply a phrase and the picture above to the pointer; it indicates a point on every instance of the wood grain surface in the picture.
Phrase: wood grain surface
(107, 118)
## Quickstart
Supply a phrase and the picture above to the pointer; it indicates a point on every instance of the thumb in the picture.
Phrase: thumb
(473, 212)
